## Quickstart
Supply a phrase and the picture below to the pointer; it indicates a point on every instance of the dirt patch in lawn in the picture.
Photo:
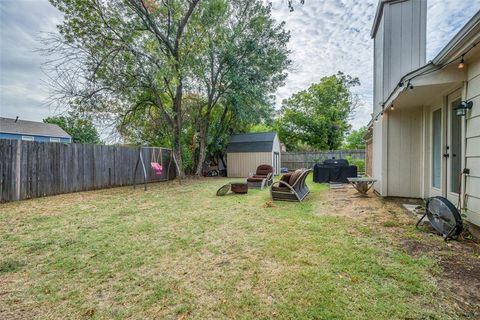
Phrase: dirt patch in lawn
(458, 273)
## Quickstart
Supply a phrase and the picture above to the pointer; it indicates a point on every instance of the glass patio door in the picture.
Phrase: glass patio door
(446, 151)
(437, 153)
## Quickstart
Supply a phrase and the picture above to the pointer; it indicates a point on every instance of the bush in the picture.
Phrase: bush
(360, 163)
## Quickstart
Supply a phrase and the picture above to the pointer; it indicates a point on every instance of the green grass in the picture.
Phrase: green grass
(178, 251)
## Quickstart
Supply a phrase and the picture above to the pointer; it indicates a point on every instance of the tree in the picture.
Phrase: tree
(354, 140)
(139, 61)
(81, 129)
(124, 58)
(317, 118)
(245, 57)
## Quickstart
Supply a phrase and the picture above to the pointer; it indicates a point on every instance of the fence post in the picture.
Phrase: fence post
(18, 162)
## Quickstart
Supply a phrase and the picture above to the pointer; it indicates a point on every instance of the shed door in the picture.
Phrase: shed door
(276, 163)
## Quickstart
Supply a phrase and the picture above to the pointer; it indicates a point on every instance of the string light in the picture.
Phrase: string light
(409, 85)
(461, 65)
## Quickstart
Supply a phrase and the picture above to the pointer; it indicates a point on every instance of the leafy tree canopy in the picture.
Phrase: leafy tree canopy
(177, 72)
(317, 118)
(354, 140)
(81, 129)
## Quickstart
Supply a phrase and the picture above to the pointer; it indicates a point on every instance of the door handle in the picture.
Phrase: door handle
(446, 155)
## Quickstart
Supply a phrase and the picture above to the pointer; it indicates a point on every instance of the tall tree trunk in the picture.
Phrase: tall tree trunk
(202, 152)
(177, 131)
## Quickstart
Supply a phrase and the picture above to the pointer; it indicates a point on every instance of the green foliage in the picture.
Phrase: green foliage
(360, 163)
(239, 63)
(261, 127)
(317, 118)
(177, 73)
(81, 129)
(354, 140)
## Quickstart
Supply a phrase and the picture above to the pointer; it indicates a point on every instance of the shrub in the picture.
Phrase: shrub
(360, 163)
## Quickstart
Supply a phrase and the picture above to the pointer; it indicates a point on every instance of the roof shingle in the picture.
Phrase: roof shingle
(251, 142)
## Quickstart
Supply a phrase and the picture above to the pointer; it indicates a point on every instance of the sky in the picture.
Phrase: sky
(326, 36)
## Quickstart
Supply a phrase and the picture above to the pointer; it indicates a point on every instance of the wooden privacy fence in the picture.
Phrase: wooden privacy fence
(297, 160)
(36, 169)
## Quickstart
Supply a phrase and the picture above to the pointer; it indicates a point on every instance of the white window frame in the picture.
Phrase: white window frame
(55, 140)
(28, 138)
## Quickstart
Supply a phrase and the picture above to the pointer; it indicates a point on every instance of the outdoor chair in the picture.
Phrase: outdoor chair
(262, 177)
(291, 186)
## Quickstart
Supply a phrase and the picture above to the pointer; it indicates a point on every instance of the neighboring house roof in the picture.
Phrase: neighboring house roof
(33, 128)
(251, 142)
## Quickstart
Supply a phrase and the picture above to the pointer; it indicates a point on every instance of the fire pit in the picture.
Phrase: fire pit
(239, 187)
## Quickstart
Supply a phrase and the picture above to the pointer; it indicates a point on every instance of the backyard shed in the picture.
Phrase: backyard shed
(246, 151)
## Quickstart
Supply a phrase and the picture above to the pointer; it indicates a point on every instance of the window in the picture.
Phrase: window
(27, 138)
(54, 139)
(437, 148)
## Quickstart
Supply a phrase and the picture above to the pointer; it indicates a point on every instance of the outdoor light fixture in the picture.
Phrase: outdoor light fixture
(461, 65)
(392, 107)
(461, 109)
(410, 86)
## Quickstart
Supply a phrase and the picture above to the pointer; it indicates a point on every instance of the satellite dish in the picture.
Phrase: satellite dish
(443, 217)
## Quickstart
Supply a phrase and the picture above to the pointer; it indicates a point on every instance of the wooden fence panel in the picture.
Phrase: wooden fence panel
(297, 160)
(31, 169)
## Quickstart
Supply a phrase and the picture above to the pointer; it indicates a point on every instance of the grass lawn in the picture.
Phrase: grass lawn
(179, 252)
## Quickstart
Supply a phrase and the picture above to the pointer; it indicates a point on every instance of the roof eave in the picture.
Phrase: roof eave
(36, 134)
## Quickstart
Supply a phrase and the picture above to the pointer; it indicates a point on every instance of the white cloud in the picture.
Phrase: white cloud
(22, 92)
(327, 36)
(334, 35)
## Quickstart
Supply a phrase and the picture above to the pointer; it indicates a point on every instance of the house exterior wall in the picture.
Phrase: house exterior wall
(379, 155)
(472, 148)
(14, 136)
(405, 153)
(241, 164)
(368, 157)
(378, 69)
(399, 45)
(404, 41)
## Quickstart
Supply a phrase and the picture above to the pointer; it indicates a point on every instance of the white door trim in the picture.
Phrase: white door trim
(452, 195)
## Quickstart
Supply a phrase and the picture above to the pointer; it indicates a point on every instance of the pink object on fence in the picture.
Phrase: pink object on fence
(157, 167)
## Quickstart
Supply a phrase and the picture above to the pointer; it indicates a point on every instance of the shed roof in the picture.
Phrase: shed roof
(251, 142)
(8, 125)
